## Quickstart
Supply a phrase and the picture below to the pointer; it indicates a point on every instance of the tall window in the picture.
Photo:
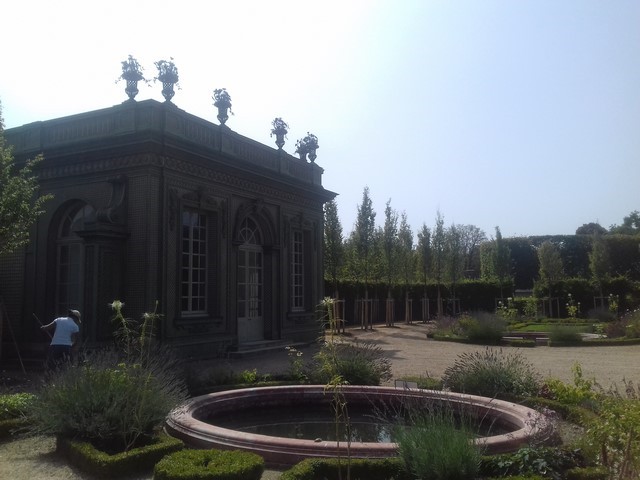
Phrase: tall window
(250, 270)
(194, 262)
(70, 256)
(297, 271)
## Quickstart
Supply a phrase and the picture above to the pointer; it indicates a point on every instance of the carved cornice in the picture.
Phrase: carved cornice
(208, 174)
(236, 182)
(90, 166)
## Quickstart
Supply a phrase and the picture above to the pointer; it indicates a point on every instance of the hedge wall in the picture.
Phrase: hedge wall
(474, 295)
(624, 256)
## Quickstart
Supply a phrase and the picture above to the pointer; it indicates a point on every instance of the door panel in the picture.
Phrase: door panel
(250, 289)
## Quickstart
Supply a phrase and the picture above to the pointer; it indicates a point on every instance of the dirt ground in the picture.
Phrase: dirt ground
(407, 346)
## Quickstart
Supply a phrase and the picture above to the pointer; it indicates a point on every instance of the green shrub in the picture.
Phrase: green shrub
(424, 382)
(110, 403)
(10, 426)
(547, 462)
(210, 465)
(15, 405)
(564, 335)
(358, 363)
(572, 413)
(581, 393)
(435, 445)
(201, 379)
(616, 432)
(520, 342)
(14, 409)
(610, 342)
(486, 330)
(523, 477)
(632, 324)
(373, 469)
(490, 373)
(118, 396)
(587, 473)
(447, 326)
(601, 314)
(100, 464)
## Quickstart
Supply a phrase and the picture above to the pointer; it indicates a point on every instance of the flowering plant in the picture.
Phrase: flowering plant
(279, 126)
(167, 71)
(573, 308)
(131, 71)
(307, 144)
(221, 98)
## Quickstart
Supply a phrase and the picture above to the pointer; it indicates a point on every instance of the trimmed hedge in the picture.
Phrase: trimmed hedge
(327, 468)
(519, 342)
(210, 465)
(571, 413)
(100, 464)
(587, 473)
(13, 411)
(7, 427)
(610, 342)
(520, 477)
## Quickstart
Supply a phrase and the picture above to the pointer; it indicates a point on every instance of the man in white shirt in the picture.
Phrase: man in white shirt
(65, 332)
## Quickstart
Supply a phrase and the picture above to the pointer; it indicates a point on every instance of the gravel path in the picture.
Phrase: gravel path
(411, 353)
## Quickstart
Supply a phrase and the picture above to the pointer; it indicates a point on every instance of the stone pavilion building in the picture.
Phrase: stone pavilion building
(153, 204)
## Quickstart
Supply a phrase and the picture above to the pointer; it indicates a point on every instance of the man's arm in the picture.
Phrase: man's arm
(49, 326)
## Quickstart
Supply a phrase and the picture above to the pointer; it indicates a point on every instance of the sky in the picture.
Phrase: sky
(517, 114)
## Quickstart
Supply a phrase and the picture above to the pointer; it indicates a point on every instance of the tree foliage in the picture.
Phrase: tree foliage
(471, 238)
(389, 243)
(439, 251)
(424, 253)
(590, 229)
(362, 240)
(630, 225)
(333, 242)
(454, 266)
(599, 263)
(20, 204)
(406, 254)
(496, 261)
(551, 268)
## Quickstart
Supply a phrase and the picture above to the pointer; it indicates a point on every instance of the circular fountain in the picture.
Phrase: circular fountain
(198, 421)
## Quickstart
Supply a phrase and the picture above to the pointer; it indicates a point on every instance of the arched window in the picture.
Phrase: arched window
(248, 233)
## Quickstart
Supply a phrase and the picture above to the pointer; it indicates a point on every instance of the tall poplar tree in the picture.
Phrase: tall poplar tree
(363, 240)
(438, 249)
(333, 245)
(406, 259)
(454, 265)
(390, 245)
(424, 255)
